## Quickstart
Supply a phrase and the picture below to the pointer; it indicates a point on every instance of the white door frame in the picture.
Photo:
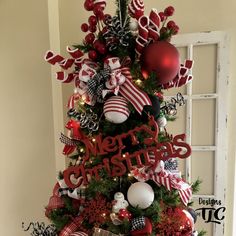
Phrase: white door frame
(221, 40)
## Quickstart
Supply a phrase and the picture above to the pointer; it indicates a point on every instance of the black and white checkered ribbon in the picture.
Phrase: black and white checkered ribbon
(171, 164)
(97, 84)
(116, 34)
(138, 223)
(77, 193)
(64, 139)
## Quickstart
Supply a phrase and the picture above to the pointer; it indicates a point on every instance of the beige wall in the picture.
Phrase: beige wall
(27, 163)
(191, 16)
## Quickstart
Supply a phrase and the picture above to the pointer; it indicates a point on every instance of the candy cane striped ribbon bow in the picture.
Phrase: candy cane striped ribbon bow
(121, 80)
(149, 29)
(65, 64)
(166, 179)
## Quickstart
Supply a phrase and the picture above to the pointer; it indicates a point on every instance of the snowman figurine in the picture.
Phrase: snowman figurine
(119, 202)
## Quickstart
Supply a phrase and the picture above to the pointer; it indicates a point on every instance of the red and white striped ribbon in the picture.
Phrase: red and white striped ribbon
(127, 89)
(167, 180)
(133, 94)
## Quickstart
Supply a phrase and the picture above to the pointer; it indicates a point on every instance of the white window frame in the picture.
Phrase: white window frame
(220, 39)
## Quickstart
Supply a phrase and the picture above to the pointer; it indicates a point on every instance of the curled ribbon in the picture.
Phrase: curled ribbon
(148, 30)
(183, 77)
(164, 178)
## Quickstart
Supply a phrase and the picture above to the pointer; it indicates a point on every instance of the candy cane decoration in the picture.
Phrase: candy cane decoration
(65, 64)
(101, 3)
(183, 77)
(136, 8)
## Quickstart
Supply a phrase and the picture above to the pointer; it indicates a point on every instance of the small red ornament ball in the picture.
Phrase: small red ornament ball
(88, 5)
(124, 214)
(92, 20)
(162, 16)
(161, 58)
(169, 11)
(89, 38)
(92, 54)
(98, 10)
(84, 27)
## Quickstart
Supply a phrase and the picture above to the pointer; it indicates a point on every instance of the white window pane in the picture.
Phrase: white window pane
(202, 166)
(204, 70)
(203, 122)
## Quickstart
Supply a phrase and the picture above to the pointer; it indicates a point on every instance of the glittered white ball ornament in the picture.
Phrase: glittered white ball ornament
(133, 25)
(140, 194)
(116, 109)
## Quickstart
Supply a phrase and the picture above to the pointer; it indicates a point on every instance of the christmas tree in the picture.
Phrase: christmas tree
(123, 177)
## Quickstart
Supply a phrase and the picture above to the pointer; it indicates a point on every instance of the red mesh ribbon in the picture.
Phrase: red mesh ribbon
(183, 77)
(148, 30)
(55, 201)
(72, 227)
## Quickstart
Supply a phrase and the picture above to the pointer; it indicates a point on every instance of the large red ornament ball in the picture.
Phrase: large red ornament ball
(161, 58)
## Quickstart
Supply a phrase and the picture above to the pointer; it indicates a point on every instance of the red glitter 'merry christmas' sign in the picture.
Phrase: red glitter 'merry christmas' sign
(119, 163)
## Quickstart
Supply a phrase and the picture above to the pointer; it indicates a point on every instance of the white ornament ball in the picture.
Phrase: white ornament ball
(116, 109)
(162, 121)
(133, 25)
(140, 194)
